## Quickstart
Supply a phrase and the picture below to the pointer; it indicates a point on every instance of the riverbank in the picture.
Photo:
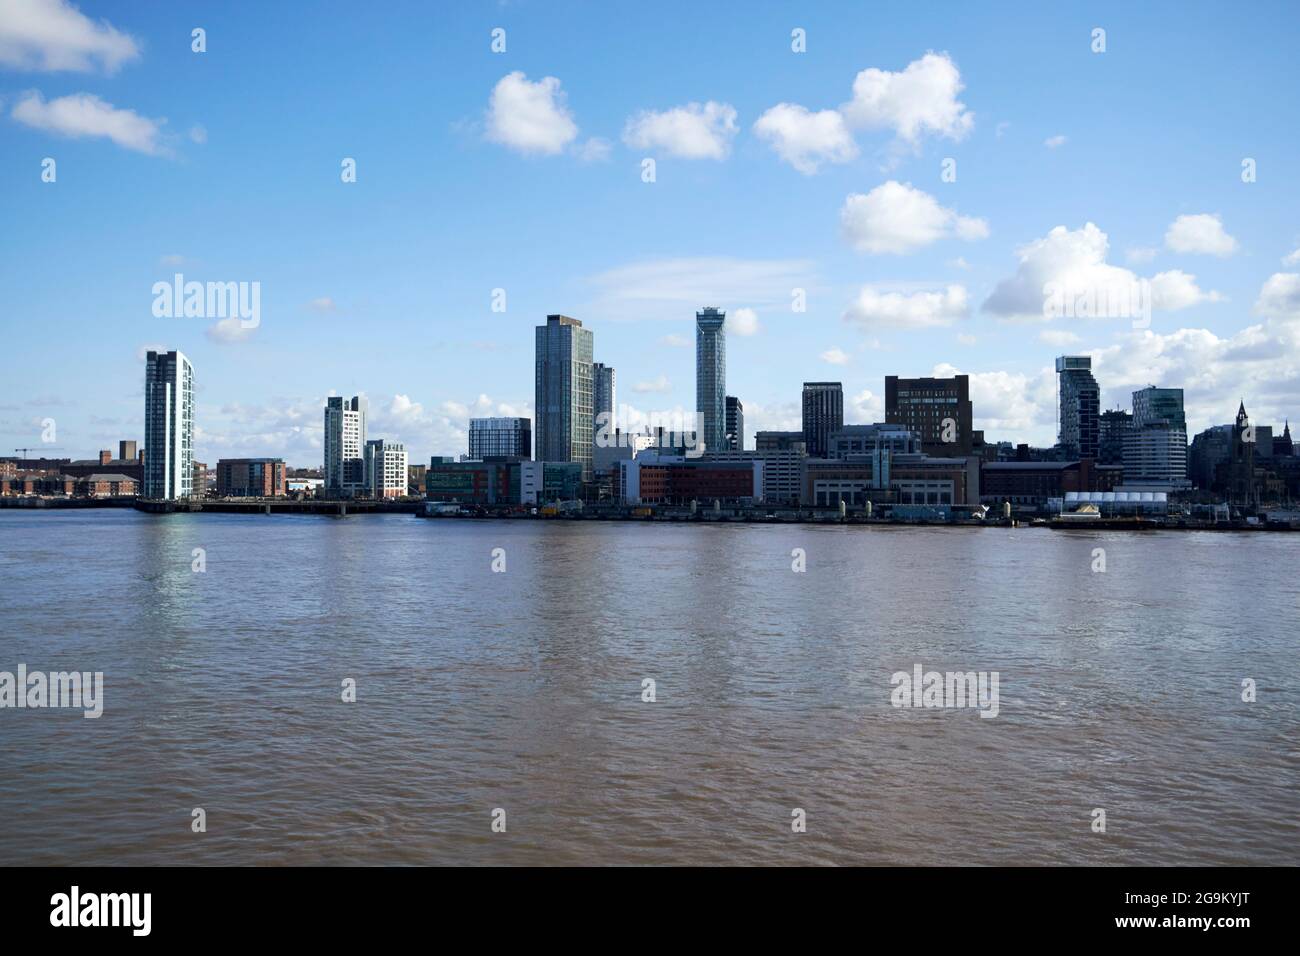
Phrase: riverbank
(656, 514)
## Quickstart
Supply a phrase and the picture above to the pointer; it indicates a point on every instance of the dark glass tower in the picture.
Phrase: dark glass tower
(1079, 406)
(711, 376)
(823, 413)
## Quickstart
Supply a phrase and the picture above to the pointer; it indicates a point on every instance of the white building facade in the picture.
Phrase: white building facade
(168, 426)
(385, 463)
(345, 441)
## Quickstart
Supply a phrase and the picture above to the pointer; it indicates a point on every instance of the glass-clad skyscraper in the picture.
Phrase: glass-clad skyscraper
(603, 395)
(168, 426)
(711, 376)
(564, 398)
(823, 415)
(1079, 406)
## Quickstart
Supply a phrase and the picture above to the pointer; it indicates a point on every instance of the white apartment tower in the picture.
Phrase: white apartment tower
(168, 426)
(345, 441)
(385, 468)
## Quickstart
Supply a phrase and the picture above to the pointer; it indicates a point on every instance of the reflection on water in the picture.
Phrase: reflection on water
(522, 691)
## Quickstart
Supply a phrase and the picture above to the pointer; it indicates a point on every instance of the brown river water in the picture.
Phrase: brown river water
(522, 691)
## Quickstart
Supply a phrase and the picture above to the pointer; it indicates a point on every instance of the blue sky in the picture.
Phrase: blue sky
(476, 172)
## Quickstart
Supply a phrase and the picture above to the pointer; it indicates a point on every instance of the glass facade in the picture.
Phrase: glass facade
(1079, 406)
(735, 424)
(603, 396)
(500, 438)
(564, 392)
(711, 376)
(823, 415)
(168, 426)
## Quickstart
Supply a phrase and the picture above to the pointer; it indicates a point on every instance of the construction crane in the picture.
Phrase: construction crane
(41, 448)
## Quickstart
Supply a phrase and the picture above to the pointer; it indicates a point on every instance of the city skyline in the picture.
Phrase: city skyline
(904, 273)
(345, 421)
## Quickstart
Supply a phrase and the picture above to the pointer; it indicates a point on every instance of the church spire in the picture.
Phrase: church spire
(1242, 419)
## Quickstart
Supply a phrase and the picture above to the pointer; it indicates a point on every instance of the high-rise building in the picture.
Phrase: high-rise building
(735, 424)
(603, 397)
(345, 440)
(564, 392)
(502, 438)
(938, 409)
(711, 376)
(1078, 406)
(126, 450)
(1112, 425)
(1210, 449)
(1155, 447)
(385, 463)
(823, 414)
(168, 426)
(1153, 404)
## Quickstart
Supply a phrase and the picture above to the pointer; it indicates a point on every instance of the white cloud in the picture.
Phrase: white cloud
(1058, 338)
(959, 263)
(675, 341)
(1280, 296)
(805, 139)
(873, 309)
(1201, 234)
(84, 114)
(782, 417)
(594, 150)
(1002, 128)
(50, 35)
(403, 409)
(228, 331)
(967, 340)
(835, 356)
(660, 384)
(898, 218)
(677, 288)
(1053, 142)
(198, 134)
(530, 117)
(1073, 264)
(693, 131)
(1175, 289)
(920, 99)
(322, 304)
(1292, 259)
(742, 322)
(1141, 254)
(865, 407)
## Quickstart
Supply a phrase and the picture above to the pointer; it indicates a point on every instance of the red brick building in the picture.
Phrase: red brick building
(250, 478)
